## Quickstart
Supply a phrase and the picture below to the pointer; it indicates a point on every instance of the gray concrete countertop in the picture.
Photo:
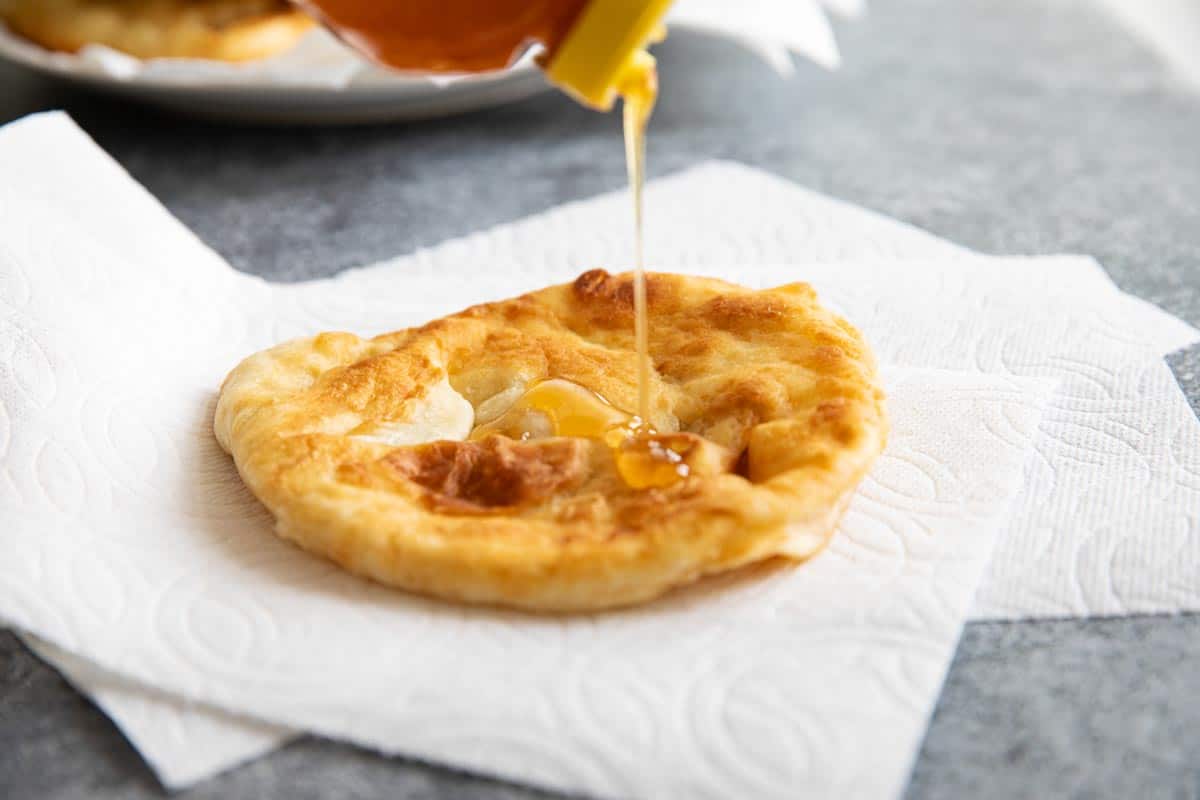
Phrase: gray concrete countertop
(1011, 126)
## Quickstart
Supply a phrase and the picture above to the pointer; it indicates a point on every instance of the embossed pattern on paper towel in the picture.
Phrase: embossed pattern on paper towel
(141, 572)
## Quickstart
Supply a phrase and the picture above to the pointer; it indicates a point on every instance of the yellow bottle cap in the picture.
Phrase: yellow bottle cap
(603, 46)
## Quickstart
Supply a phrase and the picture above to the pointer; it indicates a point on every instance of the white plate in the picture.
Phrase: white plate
(320, 81)
(317, 82)
(402, 99)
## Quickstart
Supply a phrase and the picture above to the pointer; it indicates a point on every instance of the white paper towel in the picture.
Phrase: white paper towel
(1171, 28)
(129, 538)
(772, 219)
(184, 742)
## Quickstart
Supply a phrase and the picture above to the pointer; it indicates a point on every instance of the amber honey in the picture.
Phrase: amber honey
(555, 407)
(447, 35)
(639, 92)
(646, 459)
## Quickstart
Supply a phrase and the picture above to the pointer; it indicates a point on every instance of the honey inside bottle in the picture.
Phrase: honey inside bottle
(447, 35)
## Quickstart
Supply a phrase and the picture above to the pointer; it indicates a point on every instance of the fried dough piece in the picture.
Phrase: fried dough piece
(362, 448)
(224, 30)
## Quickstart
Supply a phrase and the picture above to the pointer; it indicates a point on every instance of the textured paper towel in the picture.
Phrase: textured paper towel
(184, 742)
(129, 538)
(772, 219)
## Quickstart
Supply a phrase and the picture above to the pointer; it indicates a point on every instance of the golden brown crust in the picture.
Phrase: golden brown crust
(497, 475)
(225, 30)
(785, 393)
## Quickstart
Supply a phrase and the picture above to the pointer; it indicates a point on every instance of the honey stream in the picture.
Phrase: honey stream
(639, 93)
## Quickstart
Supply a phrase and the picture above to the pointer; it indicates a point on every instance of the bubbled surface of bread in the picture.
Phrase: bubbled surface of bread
(224, 30)
(785, 387)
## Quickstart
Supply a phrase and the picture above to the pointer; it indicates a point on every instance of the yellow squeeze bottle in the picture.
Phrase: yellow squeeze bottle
(604, 51)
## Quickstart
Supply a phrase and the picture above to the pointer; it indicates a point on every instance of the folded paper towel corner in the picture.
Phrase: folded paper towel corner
(109, 475)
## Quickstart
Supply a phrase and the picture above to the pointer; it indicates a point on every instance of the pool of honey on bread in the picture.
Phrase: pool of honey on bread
(643, 457)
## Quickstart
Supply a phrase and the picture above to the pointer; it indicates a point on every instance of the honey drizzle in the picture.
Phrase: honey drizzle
(639, 92)
(644, 458)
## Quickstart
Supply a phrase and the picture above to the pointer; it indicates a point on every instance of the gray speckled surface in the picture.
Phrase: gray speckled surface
(1012, 126)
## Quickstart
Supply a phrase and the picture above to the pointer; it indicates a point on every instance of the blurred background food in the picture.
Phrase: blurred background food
(224, 30)
(193, 56)
(266, 61)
